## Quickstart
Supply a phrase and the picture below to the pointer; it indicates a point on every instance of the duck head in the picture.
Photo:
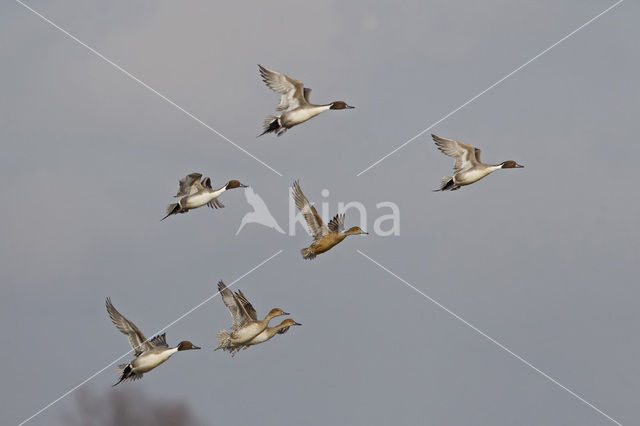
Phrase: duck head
(340, 105)
(289, 322)
(186, 345)
(235, 184)
(511, 165)
(276, 312)
(355, 230)
(285, 325)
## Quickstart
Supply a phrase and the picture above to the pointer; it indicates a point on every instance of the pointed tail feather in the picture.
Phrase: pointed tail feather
(447, 184)
(171, 209)
(125, 373)
(271, 124)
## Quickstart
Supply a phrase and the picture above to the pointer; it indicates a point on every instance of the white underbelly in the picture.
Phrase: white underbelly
(471, 176)
(297, 116)
(149, 362)
(198, 200)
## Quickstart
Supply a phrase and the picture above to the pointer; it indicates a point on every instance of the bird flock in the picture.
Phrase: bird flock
(195, 191)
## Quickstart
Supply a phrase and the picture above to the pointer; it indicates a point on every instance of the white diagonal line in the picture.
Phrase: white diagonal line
(491, 339)
(491, 87)
(136, 79)
(88, 379)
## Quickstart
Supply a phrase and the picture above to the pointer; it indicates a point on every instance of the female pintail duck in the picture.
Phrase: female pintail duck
(246, 325)
(468, 167)
(294, 102)
(324, 236)
(267, 334)
(149, 353)
(196, 194)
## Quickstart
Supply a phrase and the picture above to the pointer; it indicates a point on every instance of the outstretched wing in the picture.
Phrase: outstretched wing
(464, 154)
(231, 302)
(291, 90)
(247, 307)
(316, 226)
(189, 184)
(206, 182)
(137, 340)
(160, 340)
(337, 223)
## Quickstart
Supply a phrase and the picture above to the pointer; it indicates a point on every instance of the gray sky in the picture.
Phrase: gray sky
(543, 259)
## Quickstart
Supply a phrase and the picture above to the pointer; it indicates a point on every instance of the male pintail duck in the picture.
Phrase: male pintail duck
(246, 325)
(149, 353)
(468, 167)
(324, 236)
(267, 334)
(196, 194)
(294, 102)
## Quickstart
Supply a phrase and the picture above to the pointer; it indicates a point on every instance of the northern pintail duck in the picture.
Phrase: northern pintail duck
(266, 334)
(149, 353)
(196, 194)
(294, 102)
(468, 167)
(324, 236)
(246, 325)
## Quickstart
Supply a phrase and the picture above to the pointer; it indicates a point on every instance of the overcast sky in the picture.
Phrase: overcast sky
(543, 259)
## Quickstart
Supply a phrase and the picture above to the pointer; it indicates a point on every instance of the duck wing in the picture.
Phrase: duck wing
(464, 154)
(337, 223)
(235, 307)
(316, 226)
(478, 153)
(160, 341)
(138, 342)
(249, 310)
(189, 184)
(306, 93)
(206, 183)
(291, 90)
(215, 204)
(283, 330)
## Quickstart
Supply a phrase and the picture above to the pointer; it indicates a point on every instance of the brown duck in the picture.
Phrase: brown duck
(324, 236)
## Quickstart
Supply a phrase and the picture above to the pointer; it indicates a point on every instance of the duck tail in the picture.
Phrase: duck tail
(307, 253)
(171, 209)
(124, 371)
(447, 184)
(224, 338)
(271, 124)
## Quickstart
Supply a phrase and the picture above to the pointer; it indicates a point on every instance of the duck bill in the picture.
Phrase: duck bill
(196, 347)
(297, 323)
(286, 313)
(519, 166)
(350, 107)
